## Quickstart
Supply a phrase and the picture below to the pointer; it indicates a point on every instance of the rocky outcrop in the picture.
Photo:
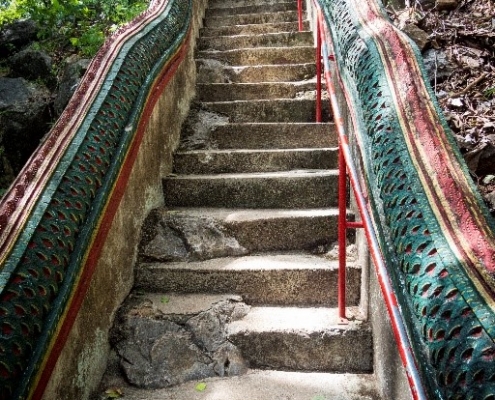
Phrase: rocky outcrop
(159, 344)
(24, 112)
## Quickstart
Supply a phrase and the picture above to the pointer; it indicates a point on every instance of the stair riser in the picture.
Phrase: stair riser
(243, 3)
(212, 73)
(247, 91)
(249, 19)
(317, 287)
(251, 9)
(253, 29)
(264, 136)
(331, 351)
(224, 163)
(258, 192)
(270, 111)
(262, 56)
(256, 41)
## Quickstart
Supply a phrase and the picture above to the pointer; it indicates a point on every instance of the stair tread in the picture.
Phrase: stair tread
(268, 34)
(257, 175)
(254, 151)
(253, 262)
(247, 214)
(273, 385)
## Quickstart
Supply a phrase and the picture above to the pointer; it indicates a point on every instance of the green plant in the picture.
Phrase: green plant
(80, 24)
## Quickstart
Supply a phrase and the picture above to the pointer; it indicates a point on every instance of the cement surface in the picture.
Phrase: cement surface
(274, 135)
(269, 385)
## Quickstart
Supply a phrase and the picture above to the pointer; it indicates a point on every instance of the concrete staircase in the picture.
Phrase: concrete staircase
(240, 260)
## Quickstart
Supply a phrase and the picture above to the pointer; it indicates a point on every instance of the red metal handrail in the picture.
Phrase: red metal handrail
(348, 171)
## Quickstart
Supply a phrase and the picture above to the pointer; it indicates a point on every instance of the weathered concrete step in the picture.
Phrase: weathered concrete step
(261, 56)
(282, 279)
(279, 39)
(252, 9)
(254, 29)
(275, 110)
(274, 135)
(242, 3)
(269, 385)
(308, 339)
(254, 91)
(213, 71)
(250, 19)
(288, 189)
(257, 230)
(247, 161)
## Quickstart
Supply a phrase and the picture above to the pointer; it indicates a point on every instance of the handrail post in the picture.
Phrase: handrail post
(342, 232)
(318, 70)
(300, 14)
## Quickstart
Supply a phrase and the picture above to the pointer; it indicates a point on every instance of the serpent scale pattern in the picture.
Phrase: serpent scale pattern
(450, 322)
(39, 274)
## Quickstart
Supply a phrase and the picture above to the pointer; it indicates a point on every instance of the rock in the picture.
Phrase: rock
(437, 65)
(31, 65)
(446, 4)
(159, 354)
(169, 236)
(23, 119)
(17, 35)
(419, 36)
(481, 159)
(158, 350)
(73, 72)
(198, 127)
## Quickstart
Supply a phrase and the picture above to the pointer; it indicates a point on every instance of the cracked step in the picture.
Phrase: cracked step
(251, 9)
(276, 110)
(303, 339)
(247, 161)
(250, 19)
(267, 230)
(269, 279)
(260, 56)
(254, 29)
(217, 92)
(274, 135)
(288, 189)
(212, 71)
(256, 41)
(269, 385)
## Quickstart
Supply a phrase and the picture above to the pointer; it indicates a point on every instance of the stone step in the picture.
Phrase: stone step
(267, 279)
(213, 71)
(251, 9)
(248, 161)
(279, 39)
(261, 56)
(274, 135)
(242, 3)
(215, 92)
(269, 385)
(288, 189)
(250, 19)
(273, 110)
(254, 29)
(304, 339)
(183, 234)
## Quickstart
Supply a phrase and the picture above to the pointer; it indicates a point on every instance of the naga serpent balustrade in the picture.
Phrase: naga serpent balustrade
(57, 212)
(434, 230)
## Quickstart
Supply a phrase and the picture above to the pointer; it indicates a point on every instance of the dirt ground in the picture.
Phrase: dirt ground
(457, 39)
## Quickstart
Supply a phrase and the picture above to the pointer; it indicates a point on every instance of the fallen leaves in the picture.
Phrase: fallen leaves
(460, 60)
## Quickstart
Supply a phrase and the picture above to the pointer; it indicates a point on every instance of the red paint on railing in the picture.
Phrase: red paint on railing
(347, 170)
(300, 14)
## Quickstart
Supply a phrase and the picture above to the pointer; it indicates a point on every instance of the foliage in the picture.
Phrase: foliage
(82, 24)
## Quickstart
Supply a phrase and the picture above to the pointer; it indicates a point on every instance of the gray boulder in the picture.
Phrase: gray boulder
(32, 65)
(24, 118)
(17, 35)
(73, 72)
